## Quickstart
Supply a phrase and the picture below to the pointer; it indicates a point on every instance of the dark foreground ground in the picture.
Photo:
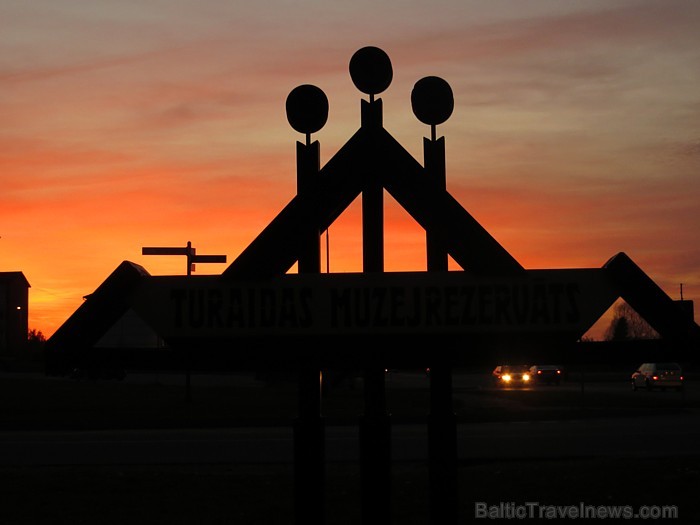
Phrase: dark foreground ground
(248, 493)
(262, 494)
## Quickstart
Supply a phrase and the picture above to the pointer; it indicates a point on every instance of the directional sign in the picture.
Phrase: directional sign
(189, 251)
(208, 258)
(166, 251)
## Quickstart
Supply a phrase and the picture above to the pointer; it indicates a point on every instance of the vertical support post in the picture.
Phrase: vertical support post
(442, 421)
(375, 451)
(372, 228)
(309, 427)
(372, 201)
(188, 374)
(375, 424)
(434, 159)
(309, 451)
(442, 448)
(188, 355)
(190, 252)
(308, 167)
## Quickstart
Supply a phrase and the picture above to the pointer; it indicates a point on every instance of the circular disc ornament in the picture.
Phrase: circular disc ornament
(307, 108)
(432, 100)
(370, 70)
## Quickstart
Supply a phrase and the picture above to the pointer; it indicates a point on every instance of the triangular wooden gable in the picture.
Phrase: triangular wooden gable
(373, 156)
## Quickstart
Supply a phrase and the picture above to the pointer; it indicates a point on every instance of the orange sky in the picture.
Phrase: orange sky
(575, 133)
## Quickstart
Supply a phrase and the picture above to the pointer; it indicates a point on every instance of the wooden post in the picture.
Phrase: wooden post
(434, 158)
(442, 422)
(308, 166)
(309, 451)
(375, 423)
(309, 427)
(442, 448)
(375, 451)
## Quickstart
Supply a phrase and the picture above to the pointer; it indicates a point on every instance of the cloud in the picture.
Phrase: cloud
(690, 150)
(23, 75)
(664, 24)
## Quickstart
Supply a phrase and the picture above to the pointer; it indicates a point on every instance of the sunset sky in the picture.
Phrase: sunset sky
(131, 123)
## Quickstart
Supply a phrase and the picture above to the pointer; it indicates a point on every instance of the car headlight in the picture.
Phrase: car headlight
(506, 377)
(526, 377)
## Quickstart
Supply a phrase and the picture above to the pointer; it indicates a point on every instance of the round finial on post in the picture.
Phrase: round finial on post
(371, 71)
(307, 109)
(432, 101)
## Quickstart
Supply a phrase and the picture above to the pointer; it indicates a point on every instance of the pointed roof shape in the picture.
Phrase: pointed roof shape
(98, 313)
(372, 156)
(663, 314)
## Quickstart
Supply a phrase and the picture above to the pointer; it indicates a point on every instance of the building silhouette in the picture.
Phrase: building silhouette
(14, 313)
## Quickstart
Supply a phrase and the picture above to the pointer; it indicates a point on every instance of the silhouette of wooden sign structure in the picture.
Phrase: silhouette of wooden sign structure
(257, 315)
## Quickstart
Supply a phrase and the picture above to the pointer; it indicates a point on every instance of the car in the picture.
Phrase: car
(511, 375)
(546, 374)
(658, 375)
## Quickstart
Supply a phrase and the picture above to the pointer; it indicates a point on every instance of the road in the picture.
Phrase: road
(667, 435)
(676, 433)
(229, 474)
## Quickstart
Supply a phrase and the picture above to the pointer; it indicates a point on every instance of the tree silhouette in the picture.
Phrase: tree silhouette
(628, 324)
(35, 335)
(35, 343)
(618, 330)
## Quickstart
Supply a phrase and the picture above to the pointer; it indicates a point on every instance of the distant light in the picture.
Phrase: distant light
(19, 308)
